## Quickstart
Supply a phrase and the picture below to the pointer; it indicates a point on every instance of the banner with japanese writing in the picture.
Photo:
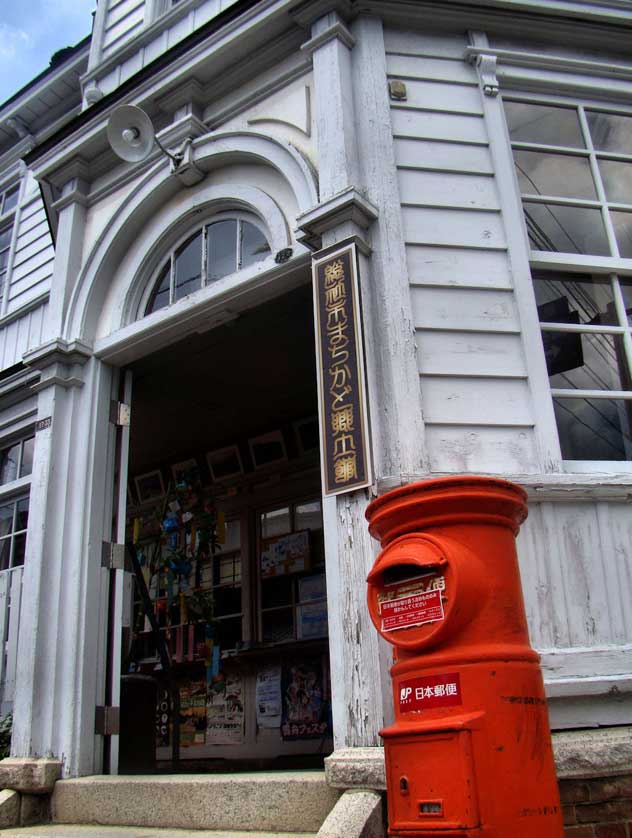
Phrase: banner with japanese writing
(340, 362)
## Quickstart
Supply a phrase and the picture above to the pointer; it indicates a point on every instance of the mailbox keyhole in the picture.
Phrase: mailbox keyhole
(403, 785)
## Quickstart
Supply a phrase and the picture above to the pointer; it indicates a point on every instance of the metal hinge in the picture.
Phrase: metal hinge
(107, 720)
(113, 556)
(120, 414)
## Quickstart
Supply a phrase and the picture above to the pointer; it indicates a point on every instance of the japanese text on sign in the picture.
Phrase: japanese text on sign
(343, 419)
(430, 691)
(414, 604)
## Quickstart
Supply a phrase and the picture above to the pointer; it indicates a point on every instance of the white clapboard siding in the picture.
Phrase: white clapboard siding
(442, 156)
(124, 19)
(404, 67)
(441, 189)
(34, 255)
(475, 395)
(453, 227)
(457, 267)
(10, 606)
(478, 353)
(20, 334)
(441, 96)
(481, 449)
(576, 567)
(476, 401)
(463, 309)
(455, 128)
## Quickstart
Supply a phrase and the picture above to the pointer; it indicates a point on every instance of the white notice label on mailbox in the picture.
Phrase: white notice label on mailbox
(414, 609)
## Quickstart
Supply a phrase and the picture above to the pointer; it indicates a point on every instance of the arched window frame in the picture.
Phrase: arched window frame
(169, 255)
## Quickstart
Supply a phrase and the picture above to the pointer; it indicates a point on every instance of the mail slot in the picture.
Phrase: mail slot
(470, 751)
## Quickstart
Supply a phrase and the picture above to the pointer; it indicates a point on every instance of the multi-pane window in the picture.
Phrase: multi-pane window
(217, 250)
(8, 202)
(292, 573)
(574, 168)
(14, 516)
(16, 461)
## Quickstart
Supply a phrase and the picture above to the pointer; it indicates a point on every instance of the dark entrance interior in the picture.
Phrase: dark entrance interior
(224, 515)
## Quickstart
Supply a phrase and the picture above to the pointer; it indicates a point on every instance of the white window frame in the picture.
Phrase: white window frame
(8, 220)
(16, 490)
(610, 266)
(170, 252)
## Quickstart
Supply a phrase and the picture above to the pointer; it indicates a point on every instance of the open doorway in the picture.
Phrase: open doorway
(225, 519)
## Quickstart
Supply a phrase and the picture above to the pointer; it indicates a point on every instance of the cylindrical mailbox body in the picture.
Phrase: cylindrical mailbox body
(470, 751)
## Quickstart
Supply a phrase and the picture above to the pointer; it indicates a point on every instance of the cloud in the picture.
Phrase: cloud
(13, 41)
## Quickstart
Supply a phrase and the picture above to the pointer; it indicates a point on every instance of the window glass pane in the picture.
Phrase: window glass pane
(27, 456)
(5, 238)
(227, 601)
(254, 245)
(5, 553)
(229, 570)
(543, 124)
(6, 519)
(229, 633)
(233, 535)
(622, 222)
(554, 174)
(566, 229)
(594, 429)
(276, 591)
(10, 199)
(574, 298)
(278, 625)
(22, 517)
(626, 290)
(9, 459)
(610, 132)
(275, 522)
(617, 180)
(4, 260)
(309, 516)
(19, 549)
(585, 361)
(188, 267)
(160, 297)
(222, 249)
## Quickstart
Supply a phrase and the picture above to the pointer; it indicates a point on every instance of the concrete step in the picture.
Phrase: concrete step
(274, 801)
(78, 831)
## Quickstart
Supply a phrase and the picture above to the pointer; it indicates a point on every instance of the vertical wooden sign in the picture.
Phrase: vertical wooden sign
(345, 460)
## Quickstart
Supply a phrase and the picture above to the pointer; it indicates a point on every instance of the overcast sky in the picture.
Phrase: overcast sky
(31, 31)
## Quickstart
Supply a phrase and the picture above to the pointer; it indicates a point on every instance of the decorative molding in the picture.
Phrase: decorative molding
(347, 206)
(561, 488)
(486, 65)
(58, 351)
(191, 92)
(336, 30)
(307, 13)
(542, 61)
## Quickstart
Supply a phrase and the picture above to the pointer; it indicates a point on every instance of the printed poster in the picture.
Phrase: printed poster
(268, 697)
(305, 710)
(225, 711)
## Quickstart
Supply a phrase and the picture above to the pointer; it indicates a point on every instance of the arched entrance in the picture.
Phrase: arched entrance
(223, 492)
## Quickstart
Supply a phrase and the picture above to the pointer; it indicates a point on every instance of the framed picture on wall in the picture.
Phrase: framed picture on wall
(225, 463)
(307, 436)
(267, 449)
(149, 486)
(185, 472)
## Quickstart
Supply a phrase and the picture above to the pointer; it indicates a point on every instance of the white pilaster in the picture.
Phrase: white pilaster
(59, 681)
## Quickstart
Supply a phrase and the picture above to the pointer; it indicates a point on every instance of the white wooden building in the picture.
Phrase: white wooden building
(479, 155)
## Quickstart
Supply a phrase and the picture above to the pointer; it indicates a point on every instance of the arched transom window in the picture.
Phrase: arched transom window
(219, 248)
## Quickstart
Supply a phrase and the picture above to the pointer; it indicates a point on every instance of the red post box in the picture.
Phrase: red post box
(470, 751)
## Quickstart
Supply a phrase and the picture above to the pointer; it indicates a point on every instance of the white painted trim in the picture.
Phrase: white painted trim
(518, 251)
(145, 203)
